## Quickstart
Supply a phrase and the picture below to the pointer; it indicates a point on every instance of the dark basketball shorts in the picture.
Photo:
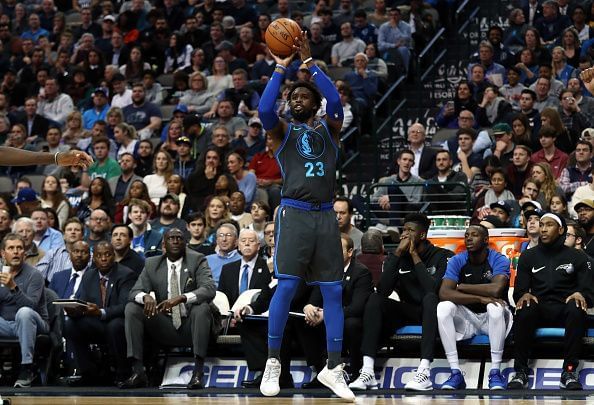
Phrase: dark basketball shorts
(308, 246)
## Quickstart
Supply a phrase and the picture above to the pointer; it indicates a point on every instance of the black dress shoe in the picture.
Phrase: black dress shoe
(135, 381)
(255, 383)
(196, 382)
(313, 384)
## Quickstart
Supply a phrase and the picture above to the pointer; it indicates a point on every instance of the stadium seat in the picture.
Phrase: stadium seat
(167, 111)
(36, 181)
(338, 72)
(166, 80)
(47, 346)
(6, 185)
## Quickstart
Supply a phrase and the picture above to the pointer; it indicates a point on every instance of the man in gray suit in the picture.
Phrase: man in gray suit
(171, 302)
(119, 186)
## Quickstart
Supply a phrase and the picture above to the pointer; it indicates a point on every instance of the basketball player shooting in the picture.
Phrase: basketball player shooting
(307, 238)
(19, 157)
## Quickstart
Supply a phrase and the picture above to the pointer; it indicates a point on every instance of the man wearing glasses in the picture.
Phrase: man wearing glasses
(225, 251)
(171, 303)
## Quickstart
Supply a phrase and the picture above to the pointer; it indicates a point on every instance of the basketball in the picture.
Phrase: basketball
(280, 36)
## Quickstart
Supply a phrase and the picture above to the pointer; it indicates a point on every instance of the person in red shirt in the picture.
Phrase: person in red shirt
(268, 174)
(549, 152)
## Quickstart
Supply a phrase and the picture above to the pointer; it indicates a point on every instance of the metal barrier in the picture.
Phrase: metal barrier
(428, 197)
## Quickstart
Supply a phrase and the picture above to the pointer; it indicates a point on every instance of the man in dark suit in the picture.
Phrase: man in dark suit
(66, 283)
(171, 303)
(121, 236)
(105, 288)
(424, 155)
(250, 272)
(532, 12)
(36, 125)
(357, 285)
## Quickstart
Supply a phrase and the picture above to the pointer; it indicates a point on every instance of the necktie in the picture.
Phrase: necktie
(243, 285)
(174, 288)
(70, 287)
(103, 290)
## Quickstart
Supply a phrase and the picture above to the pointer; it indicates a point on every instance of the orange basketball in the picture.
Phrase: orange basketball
(280, 36)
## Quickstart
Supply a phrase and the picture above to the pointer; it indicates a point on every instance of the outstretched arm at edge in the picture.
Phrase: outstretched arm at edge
(271, 122)
(19, 157)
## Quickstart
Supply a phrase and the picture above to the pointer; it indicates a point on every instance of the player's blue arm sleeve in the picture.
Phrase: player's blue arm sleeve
(334, 109)
(266, 111)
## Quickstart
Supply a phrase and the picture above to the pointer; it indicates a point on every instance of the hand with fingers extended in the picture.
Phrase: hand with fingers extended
(524, 301)
(586, 76)
(579, 299)
(283, 61)
(301, 45)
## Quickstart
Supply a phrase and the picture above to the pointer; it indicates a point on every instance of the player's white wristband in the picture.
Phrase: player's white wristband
(306, 61)
(56, 158)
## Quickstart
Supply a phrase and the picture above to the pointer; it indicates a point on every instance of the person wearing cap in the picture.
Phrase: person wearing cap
(184, 164)
(549, 153)
(122, 95)
(254, 142)
(553, 287)
(503, 146)
(103, 42)
(99, 109)
(472, 293)
(501, 210)
(585, 212)
(26, 201)
(167, 218)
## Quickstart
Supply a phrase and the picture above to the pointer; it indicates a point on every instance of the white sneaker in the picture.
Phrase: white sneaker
(335, 380)
(420, 382)
(365, 381)
(270, 386)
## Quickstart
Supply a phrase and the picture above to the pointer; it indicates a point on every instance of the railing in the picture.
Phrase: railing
(343, 165)
(432, 198)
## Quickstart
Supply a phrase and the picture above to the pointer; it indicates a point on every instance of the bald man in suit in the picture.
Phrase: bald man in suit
(172, 302)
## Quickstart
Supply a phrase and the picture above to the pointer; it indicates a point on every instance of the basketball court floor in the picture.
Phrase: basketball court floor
(251, 397)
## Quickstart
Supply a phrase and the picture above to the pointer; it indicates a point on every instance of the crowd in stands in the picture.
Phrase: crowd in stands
(180, 201)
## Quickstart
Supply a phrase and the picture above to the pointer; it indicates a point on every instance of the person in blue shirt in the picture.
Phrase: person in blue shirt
(472, 297)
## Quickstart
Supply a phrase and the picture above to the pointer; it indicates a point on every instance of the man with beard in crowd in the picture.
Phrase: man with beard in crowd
(585, 211)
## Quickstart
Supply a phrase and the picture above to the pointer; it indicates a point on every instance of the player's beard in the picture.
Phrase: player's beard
(302, 116)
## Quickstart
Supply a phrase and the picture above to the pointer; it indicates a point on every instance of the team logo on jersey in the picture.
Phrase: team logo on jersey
(311, 145)
(431, 270)
(568, 268)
